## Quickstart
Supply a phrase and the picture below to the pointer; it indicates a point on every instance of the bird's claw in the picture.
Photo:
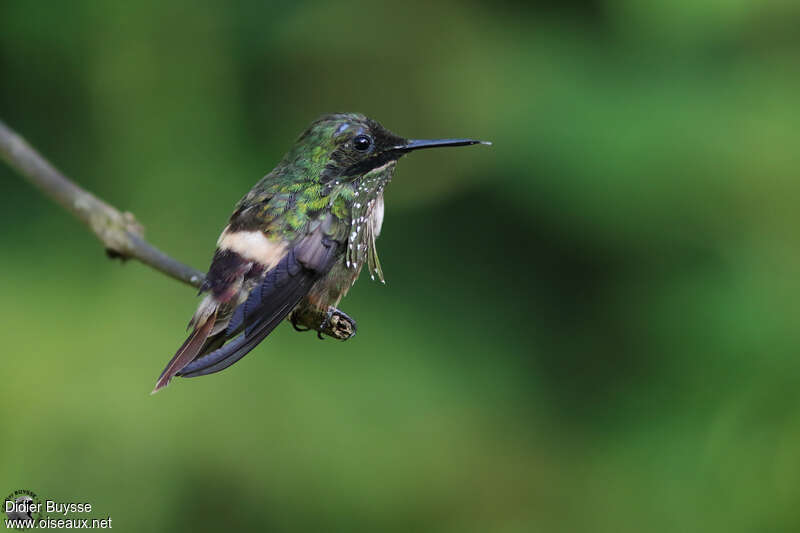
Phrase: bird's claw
(293, 321)
(337, 324)
(325, 322)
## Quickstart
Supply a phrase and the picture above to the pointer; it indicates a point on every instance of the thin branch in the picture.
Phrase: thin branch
(119, 232)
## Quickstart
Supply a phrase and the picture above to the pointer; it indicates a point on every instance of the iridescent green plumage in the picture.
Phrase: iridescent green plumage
(297, 242)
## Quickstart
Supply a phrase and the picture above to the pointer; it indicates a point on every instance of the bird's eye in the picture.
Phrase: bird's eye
(362, 142)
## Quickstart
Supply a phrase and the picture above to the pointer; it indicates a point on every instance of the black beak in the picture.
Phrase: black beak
(417, 144)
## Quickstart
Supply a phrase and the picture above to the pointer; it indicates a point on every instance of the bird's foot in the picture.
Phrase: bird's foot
(333, 323)
(337, 324)
(293, 320)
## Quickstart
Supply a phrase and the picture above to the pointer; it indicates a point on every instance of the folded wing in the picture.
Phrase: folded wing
(269, 303)
(221, 337)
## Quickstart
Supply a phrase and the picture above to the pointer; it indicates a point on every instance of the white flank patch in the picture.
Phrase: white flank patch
(253, 246)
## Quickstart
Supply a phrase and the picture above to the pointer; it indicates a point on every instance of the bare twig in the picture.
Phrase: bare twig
(119, 232)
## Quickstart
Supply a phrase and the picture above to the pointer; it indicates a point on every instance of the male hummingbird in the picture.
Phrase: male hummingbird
(296, 242)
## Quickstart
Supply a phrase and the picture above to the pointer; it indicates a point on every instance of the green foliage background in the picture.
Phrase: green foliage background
(591, 326)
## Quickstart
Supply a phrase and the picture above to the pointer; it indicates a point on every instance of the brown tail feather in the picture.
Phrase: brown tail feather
(187, 352)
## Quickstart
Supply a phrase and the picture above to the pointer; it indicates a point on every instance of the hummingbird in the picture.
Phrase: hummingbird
(296, 243)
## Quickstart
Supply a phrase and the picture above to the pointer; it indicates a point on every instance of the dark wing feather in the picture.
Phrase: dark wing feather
(270, 302)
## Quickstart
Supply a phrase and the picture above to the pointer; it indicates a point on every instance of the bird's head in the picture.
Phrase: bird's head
(346, 146)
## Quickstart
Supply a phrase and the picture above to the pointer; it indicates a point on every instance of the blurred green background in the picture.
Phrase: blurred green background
(591, 326)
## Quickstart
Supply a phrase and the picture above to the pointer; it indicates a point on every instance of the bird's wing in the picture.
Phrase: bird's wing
(270, 302)
(254, 282)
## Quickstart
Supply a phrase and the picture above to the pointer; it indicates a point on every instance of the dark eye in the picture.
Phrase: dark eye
(362, 142)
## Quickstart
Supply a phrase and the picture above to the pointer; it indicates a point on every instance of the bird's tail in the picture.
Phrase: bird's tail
(187, 352)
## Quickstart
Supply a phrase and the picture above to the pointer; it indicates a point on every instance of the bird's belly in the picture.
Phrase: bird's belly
(333, 287)
(330, 290)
